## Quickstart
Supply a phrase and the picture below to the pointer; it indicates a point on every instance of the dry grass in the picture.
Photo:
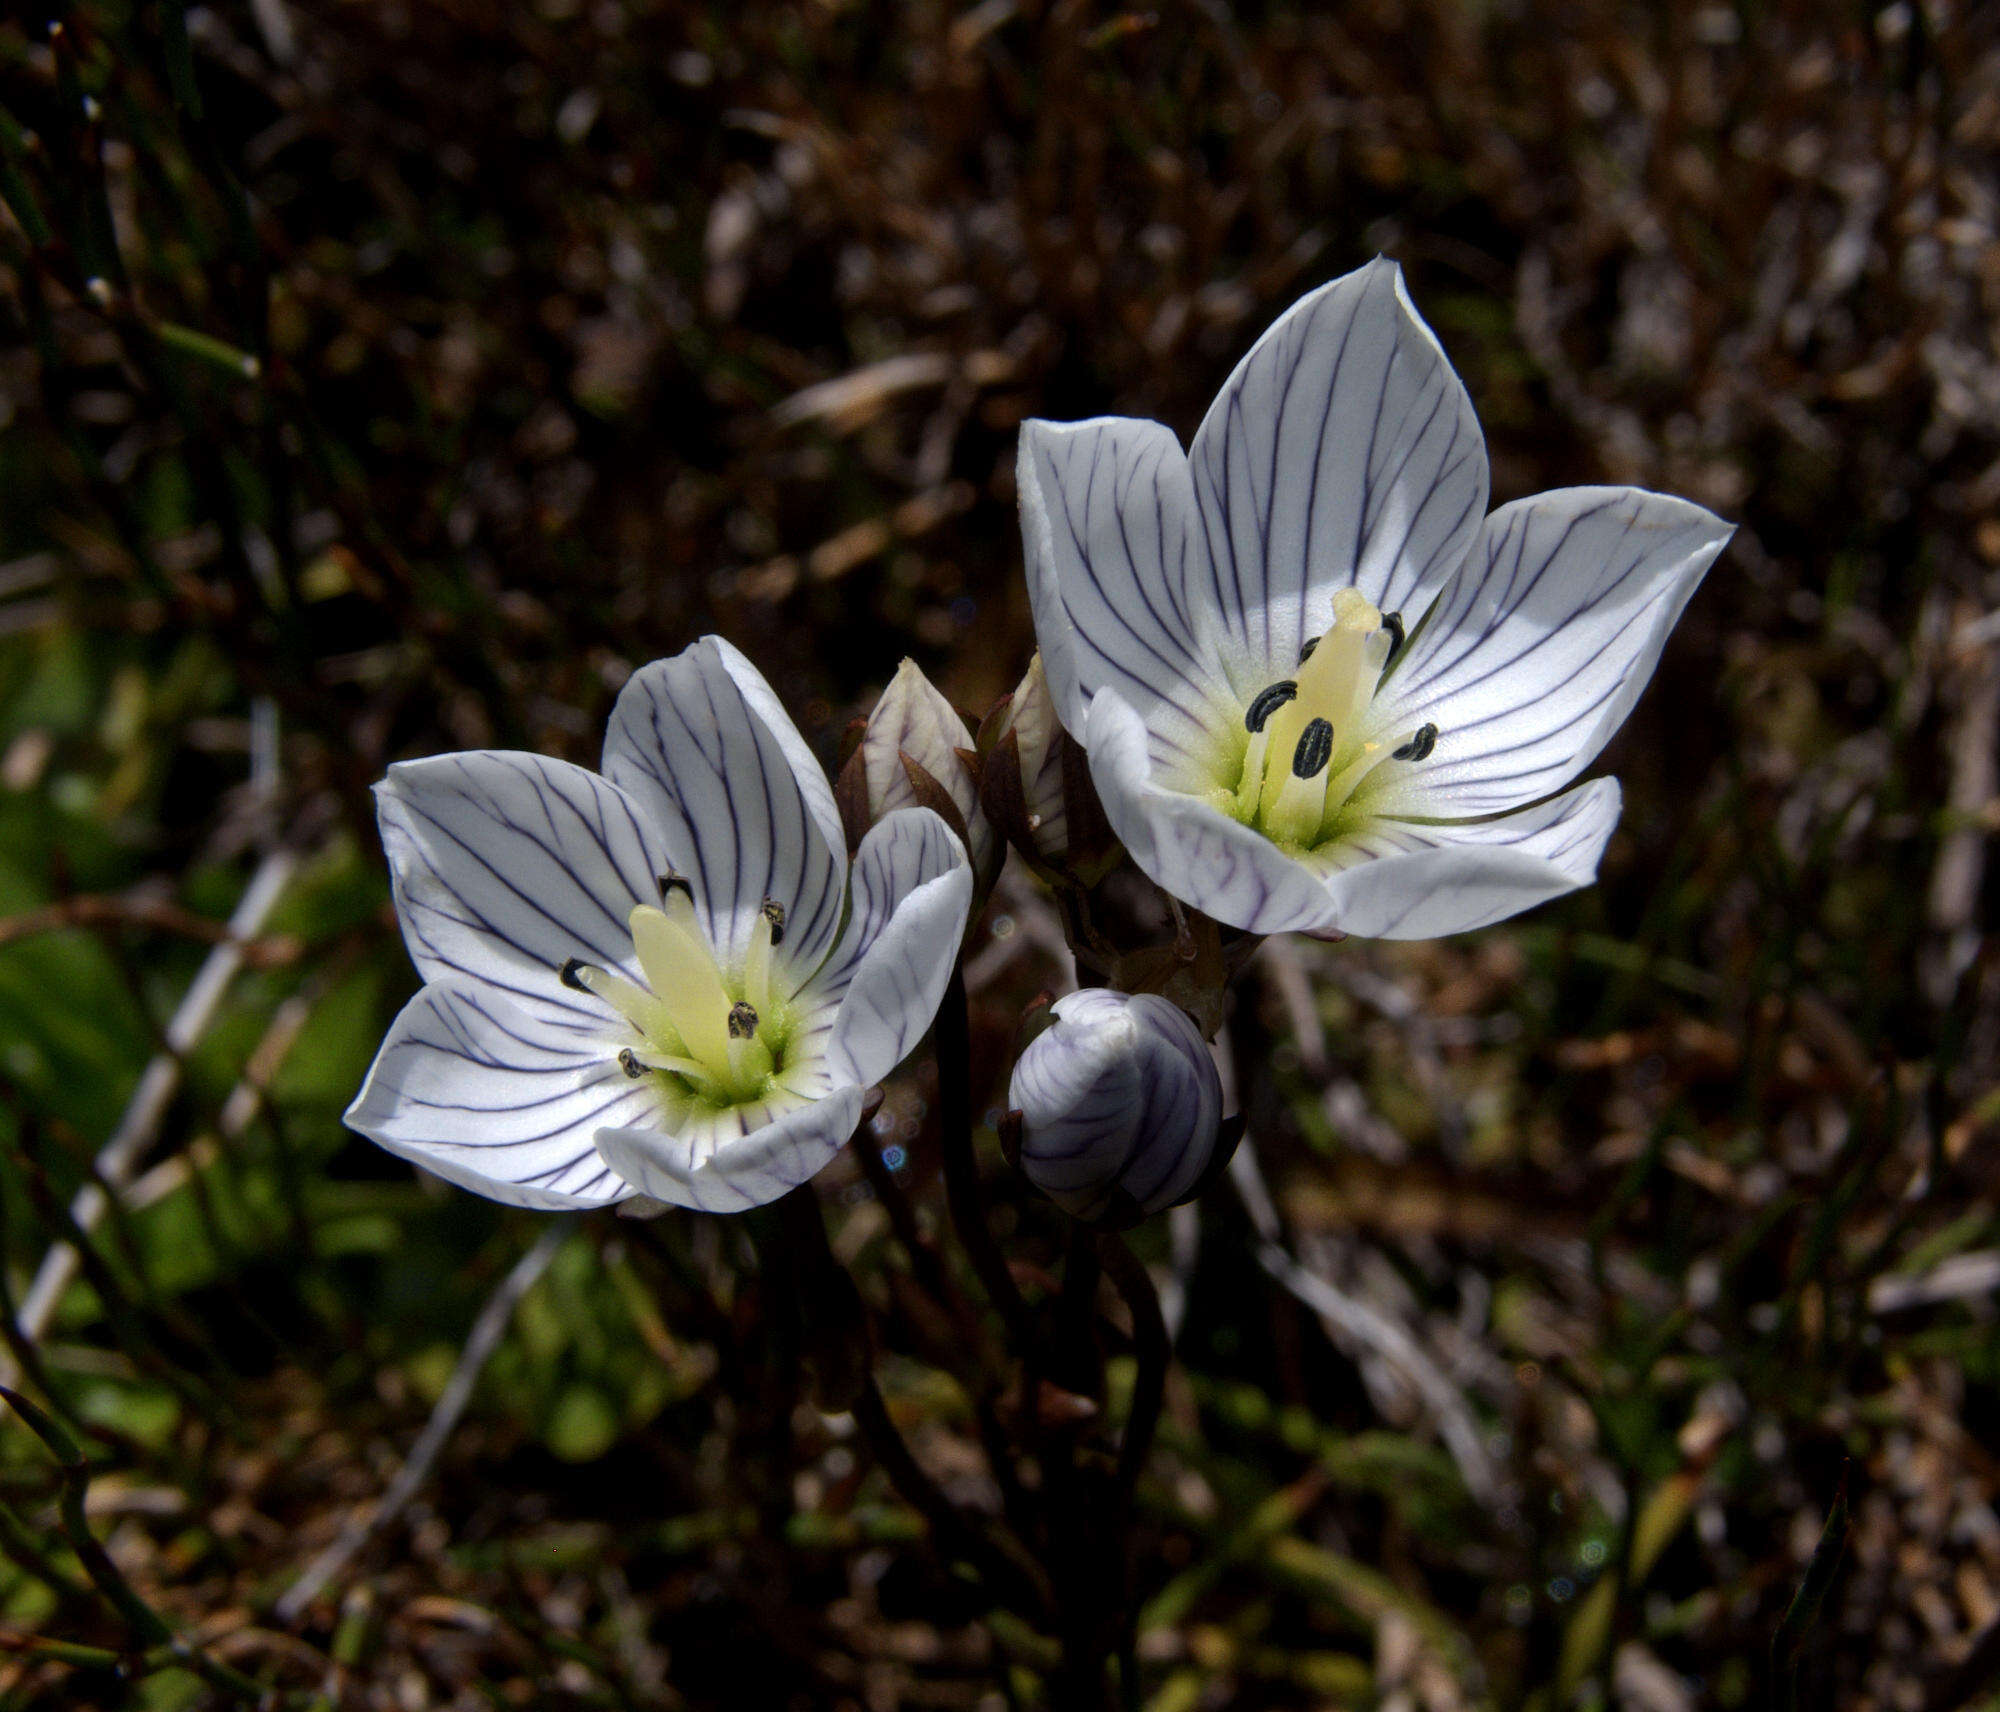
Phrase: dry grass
(581, 329)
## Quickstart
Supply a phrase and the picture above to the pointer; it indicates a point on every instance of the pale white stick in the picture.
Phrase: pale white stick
(157, 1082)
(1356, 1321)
(1958, 1279)
(171, 1173)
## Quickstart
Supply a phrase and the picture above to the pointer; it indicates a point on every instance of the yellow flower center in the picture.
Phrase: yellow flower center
(1306, 757)
(709, 1038)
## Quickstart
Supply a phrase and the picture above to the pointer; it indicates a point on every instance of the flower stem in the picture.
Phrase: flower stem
(1079, 1368)
(1153, 1350)
(833, 1307)
(952, 1041)
(1149, 1339)
(922, 1254)
(1013, 1577)
(989, 1361)
(1084, 1529)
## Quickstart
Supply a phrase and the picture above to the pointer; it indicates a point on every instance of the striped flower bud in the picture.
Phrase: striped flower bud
(1117, 1107)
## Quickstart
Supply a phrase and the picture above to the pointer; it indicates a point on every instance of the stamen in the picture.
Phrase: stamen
(628, 1061)
(1268, 701)
(571, 974)
(1393, 623)
(1300, 805)
(1315, 749)
(1419, 746)
(1250, 786)
(650, 1057)
(749, 1063)
(766, 932)
(671, 882)
(1343, 784)
(630, 1000)
(1306, 653)
(742, 1021)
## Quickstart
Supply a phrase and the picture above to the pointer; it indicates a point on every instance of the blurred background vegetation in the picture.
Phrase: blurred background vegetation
(386, 376)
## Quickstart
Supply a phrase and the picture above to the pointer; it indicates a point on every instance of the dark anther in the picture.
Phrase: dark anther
(1306, 653)
(742, 1021)
(1315, 749)
(774, 913)
(671, 882)
(1393, 623)
(628, 1061)
(1419, 746)
(567, 974)
(1268, 702)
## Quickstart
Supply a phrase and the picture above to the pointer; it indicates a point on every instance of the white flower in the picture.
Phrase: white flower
(664, 979)
(1320, 688)
(1120, 1106)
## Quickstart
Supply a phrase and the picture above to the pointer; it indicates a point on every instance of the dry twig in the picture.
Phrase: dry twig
(480, 1343)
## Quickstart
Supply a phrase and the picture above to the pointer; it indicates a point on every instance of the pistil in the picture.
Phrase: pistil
(681, 970)
(721, 1047)
(1284, 779)
(1305, 758)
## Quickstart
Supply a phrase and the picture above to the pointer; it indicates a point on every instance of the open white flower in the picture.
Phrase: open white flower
(1319, 687)
(664, 979)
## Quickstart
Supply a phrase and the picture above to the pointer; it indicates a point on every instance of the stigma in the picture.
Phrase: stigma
(708, 1034)
(1306, 755)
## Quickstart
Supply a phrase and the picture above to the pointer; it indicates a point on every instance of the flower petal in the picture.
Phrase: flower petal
(507, 864)
(747, 814)
(763, 701)
(1537, 650)
(1191, 849)
(1403, 881)
(697, 1169)
(475, 1090)
(1120, 580)
(1343, 450)
(911, 888)
(1185, 1097)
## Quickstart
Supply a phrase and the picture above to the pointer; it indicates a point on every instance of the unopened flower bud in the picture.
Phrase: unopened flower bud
(1035, 782)
(915, 752)
(1119, 1107)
